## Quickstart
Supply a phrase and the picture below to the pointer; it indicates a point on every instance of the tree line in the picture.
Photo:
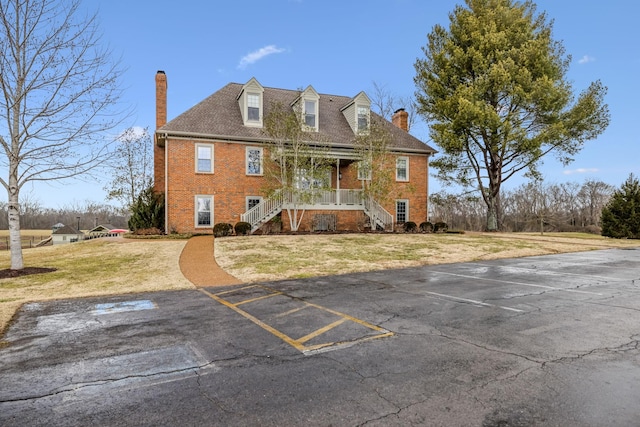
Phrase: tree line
(88, 214)
(534, 206)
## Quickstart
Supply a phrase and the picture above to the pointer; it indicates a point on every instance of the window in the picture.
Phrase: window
(253, 107)
(310, 113)
(253, 201)
(204, 158)
(363, 118)
(254, 161)
(306, 180)
(204, 211)
(402, 211)
(364, 171)
(402, 169)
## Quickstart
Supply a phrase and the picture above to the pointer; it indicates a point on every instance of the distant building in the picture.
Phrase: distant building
(66, 234)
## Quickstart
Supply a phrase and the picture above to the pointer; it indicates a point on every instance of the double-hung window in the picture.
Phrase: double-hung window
(402, 211)
(204, 158)
(402, 169)
(254, 161)
(204, 211)
(363, 118)
(253, 107)
(310, 113)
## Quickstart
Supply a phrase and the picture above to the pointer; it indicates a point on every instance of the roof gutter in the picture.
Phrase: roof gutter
(163, 135)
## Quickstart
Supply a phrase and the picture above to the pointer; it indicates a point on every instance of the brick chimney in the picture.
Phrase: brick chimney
(159, 145)
(161, 99)
(400, 118)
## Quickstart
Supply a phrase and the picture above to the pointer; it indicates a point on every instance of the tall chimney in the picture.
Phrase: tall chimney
(161, 120)
(161, 99)
(400, 118)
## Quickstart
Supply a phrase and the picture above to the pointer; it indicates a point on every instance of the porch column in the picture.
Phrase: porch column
(338, 181)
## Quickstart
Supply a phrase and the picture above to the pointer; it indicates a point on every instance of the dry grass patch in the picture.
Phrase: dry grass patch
(93, 268)
(275, 257)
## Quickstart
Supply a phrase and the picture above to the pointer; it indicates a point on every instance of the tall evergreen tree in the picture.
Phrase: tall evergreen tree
(621, 216)
(493, 88)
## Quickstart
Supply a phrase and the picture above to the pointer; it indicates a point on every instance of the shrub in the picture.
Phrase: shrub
(148, 211)
(410, 227)
(147, 231)
(440, 227)
(242, 228)
(426, 227)
(222, 229)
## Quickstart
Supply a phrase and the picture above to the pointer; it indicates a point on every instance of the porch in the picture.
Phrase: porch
(333, 199)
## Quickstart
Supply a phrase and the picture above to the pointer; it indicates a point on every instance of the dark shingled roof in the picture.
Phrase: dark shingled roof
(219, 116)
(67, 229)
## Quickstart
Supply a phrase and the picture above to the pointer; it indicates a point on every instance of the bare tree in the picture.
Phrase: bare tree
(57, 87)
(593, 196)
(131, 166)
(297, 165)
(385, 104)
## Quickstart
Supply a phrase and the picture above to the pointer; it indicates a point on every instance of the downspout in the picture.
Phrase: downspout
(166, 184)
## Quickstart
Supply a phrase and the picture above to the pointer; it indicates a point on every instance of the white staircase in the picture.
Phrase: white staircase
(380, 218)
(263, 211)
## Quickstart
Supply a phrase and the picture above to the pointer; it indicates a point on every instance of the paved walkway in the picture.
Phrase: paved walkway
(199, 266)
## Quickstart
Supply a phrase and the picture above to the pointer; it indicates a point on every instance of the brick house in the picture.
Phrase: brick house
(208, 162)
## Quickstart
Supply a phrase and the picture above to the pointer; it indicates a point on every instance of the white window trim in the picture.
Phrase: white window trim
(195, 202)
(406, 158)
(406, 203)
(367, 115)
(315, 113)
(259, 107)
(197, 158)
(246, 161)
(246, 202)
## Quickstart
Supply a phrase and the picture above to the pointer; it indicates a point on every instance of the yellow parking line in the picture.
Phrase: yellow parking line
(230, 291)
(258, 322)
(298, 344)
(320, 331)
(258, 298)
(293, 310)
(311, 348)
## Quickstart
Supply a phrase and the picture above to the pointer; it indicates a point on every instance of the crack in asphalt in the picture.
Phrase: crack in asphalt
(69, 388)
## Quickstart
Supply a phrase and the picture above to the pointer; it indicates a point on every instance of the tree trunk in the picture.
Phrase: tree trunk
(493, 211)
(14, 229)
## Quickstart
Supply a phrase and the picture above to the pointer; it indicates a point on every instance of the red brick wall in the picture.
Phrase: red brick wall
(230, 186)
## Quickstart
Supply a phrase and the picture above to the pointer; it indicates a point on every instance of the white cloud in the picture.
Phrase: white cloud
(586, 59)
(257, 55)
(580, 170)
(132, 133)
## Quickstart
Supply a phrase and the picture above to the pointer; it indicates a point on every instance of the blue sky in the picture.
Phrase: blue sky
(341, 48)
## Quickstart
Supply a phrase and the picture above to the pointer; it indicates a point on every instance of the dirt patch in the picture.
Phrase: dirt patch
(9, 273)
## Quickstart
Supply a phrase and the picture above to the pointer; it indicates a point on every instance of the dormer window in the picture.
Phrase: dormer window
(363, 118)
(310, 113)
(358, 113)
(250, 101)
(306, 105)
(253, 107)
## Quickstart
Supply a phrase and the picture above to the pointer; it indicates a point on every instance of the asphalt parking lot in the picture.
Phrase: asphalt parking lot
(549, 340)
